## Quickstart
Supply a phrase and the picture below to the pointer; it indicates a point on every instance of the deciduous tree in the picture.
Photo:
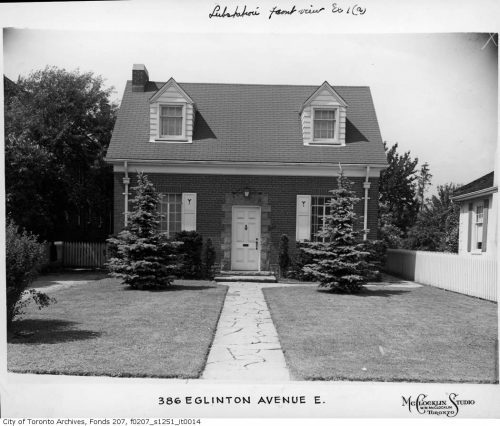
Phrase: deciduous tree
(436, 228)
(58, 125)
(397, 188)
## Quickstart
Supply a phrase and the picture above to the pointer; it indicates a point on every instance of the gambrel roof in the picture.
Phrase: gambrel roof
(250, 123)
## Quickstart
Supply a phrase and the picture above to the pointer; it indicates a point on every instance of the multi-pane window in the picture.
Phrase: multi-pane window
(319, 209)
(170, 210)
(324, 123)
(479, 227)
(171, 120)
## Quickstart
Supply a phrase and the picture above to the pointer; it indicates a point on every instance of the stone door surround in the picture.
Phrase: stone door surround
(253, 199)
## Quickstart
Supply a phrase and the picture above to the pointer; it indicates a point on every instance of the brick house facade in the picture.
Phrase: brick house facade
(244, 164)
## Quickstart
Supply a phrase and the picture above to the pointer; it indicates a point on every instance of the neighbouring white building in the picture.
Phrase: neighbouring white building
(478, 216)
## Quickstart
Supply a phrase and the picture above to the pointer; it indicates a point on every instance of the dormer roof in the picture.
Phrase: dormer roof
(171, 82)
(325, 86)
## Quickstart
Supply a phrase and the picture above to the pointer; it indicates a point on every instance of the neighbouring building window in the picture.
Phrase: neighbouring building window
(478, 229)
(171, 213)
(324, 123)
(171, 120)
(319, 209)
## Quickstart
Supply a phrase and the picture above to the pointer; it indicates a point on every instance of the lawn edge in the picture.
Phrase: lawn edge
(79, 373)
(298, 377)
(205, 359)
(294, 376)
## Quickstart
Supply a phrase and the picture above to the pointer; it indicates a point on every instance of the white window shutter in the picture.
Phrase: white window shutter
(303, 231)
(188, 211)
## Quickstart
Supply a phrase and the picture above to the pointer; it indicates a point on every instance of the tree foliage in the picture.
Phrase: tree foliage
(190, 254)
(339, 259)
(389, 232)
(208, 259)
(436, 228)
(58, 125)
(397, 188)
(144, 257)
(423, 181)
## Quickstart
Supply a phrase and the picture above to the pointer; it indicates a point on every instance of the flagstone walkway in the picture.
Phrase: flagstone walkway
(246, 345)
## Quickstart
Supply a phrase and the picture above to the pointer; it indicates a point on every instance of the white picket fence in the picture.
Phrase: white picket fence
(471, 275)
(84, 255)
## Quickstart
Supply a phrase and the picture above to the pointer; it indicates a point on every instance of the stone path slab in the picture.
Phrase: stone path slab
(246, 345)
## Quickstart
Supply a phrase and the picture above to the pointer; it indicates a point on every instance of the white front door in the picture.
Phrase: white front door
(245, 244)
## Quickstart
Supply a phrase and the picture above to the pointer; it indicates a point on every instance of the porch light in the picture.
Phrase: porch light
(246, 192)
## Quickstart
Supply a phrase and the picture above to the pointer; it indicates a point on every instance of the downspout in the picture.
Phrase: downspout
(126, 181)
(366, 185)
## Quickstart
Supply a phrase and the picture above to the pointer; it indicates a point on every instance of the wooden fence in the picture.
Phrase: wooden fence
(471, 275)
(84, 255)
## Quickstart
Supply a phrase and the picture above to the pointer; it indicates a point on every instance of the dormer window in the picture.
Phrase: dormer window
(171, 115)
(171, 121)
(323, 117)
(324, 124)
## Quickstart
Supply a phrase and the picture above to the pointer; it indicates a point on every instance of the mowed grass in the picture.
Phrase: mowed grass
(105, 328)
(386, 334)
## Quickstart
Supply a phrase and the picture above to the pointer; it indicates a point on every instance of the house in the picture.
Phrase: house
(478, 202)
(243, 164)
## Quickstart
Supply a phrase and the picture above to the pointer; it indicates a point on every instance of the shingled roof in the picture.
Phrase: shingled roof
(483, 182)
(251, 123)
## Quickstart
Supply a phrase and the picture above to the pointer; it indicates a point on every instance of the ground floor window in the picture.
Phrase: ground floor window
(478, 228)
(319, 210)
(171, 213)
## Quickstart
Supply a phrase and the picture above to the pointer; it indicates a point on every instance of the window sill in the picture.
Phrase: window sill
(477, 252)
(325, 142)
(171, 140)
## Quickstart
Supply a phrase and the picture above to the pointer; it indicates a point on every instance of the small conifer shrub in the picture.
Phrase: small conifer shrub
(144, 257)
(339, 258)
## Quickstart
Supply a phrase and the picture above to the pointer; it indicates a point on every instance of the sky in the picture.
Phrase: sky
(435, 94)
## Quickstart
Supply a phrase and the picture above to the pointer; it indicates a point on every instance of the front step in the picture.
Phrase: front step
(247, 273)
(223, 278)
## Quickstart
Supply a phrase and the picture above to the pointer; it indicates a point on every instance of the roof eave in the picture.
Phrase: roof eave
(475, 194)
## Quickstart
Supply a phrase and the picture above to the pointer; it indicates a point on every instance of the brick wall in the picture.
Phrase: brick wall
(282, 192)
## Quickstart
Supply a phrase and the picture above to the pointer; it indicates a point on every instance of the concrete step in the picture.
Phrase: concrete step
(247, 273)
(246, 278)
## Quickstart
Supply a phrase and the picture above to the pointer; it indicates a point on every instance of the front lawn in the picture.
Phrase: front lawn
(386, 334)
(105, 328)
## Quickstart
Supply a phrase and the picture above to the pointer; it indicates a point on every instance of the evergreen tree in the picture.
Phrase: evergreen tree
(339, 260)
(144, 257)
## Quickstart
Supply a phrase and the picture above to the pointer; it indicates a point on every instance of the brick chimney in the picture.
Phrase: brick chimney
(140, 77)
